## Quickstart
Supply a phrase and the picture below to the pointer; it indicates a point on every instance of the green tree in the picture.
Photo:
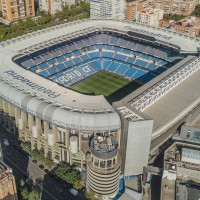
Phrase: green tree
(47, 162)
(67, 174)
(26, 147)
(25, 194)
(77, 185)
(90, 195)
(22, 183)
(196, 11)
(33, 195)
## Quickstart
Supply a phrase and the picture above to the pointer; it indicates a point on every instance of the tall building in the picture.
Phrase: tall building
(107, 9)
(180, 7)
(14, 10)
(132, 7)
(149, 16)
(7, 181)
(52, 6)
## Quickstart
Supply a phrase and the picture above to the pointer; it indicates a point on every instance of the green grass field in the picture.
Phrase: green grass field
(111, 85)
(104, 83)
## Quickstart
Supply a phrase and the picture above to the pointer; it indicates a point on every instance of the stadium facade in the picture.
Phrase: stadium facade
(38, 69)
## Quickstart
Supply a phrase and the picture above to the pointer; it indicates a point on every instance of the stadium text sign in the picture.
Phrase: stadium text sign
(148, 32)
(18, 77)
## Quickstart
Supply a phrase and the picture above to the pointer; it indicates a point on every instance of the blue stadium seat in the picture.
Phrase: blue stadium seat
(72, 47)
(84, 57)
(107, 54)
(120, 57)
(109, 47)
(95, 54)
(139, 74)
(113, 66)
(77, 52)
(96, 63)
(122, 42)
(60, 67)
(141, 63)
(130, 60)
(100, 46)
(27, 63)
(131, 45)
(43, 65)
(126, 51)
(69, 63)
(37, 59)
(104, 38)
(43, 73)
(141, 48)
(144, 56)
(106, 63)
(52, 61)
(52, 70)
(76, 60)
(122, 68)
(130, 72)
(151, 66)
(113, 40)
(33, 69)
(60, 58)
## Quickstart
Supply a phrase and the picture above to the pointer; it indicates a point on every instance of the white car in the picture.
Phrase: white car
(73, 191)
(5, 141)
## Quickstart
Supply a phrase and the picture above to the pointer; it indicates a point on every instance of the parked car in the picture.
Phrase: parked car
(5, 141)
(73, 191)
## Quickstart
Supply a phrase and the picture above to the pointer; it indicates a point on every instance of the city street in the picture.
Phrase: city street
(23, 167)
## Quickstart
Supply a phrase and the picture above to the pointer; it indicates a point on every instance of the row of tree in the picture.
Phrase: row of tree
(44, 21)
(35, 154)
(68, 175)
(174, 17)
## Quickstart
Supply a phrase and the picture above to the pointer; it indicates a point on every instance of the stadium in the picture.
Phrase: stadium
(93, 92)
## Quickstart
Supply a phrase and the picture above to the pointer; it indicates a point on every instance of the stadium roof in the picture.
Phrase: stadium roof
(34, 93)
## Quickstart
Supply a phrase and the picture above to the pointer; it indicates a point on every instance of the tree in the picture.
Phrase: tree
(47, 162)
(77, 185)
(26, 147)
(22, 183)
(25, 194)
(67, 174)
(90, 194)
(33, 195)
(196, 11)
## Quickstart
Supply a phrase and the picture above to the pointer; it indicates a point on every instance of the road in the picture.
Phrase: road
(22, 167)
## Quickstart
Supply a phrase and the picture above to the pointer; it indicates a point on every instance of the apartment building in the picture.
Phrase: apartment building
(14, 10)
(180, 7)
(132, 7)
(53, 6)
(190, 25)
(149, 16)
(107, 9)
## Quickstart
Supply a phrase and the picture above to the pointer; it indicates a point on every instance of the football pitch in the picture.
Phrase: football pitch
(104, 83)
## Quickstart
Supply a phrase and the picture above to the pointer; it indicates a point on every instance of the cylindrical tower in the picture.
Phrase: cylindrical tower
(73, 144)
(104, 166)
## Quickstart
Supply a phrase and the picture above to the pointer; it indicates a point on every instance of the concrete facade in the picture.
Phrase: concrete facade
(105, 9)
